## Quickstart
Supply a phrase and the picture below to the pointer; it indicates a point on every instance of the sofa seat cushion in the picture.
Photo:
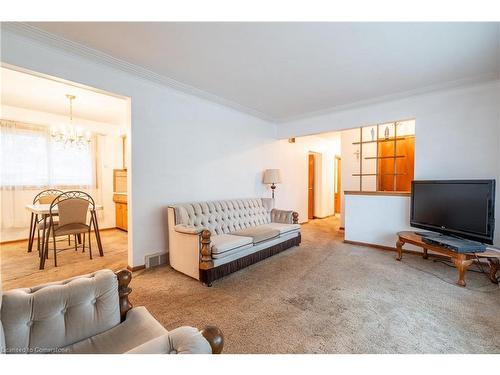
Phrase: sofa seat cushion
(283, 228)
(181, 340)
(259, 233)
(139, 327)
(223, 243)
(75, 228)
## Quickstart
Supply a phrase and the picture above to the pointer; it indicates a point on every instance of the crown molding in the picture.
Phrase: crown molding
(447, 86)
(41, 36)
(66, 45)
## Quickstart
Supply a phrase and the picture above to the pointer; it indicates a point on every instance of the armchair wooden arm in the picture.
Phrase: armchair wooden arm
(215, 338)
(124, 278)
(212, 334)
(205, 251)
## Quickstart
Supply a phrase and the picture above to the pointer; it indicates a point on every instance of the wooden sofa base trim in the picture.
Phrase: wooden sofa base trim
(207, 276)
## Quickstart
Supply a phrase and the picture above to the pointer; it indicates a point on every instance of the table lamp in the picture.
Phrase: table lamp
(273, 177)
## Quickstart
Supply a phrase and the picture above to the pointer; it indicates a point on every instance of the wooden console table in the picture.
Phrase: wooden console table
(461, 260)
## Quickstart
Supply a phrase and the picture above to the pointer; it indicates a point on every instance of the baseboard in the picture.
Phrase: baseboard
(390, 248)
(136, 268)
(12, 241)
(382, 247)
(105, 229)
(26, 239)
(323, 217)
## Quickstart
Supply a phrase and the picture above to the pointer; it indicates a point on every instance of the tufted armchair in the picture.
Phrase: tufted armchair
(91, 314)
(208, 240)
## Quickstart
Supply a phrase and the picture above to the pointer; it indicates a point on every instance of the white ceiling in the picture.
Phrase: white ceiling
(329, 136)
(35, 93)
(288, 70)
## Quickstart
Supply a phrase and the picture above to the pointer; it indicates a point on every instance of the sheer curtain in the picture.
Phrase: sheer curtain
(30, 161)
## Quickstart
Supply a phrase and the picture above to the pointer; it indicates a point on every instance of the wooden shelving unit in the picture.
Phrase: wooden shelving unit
(377, 141)
(384, 140)
(378, 174)
(383, 157)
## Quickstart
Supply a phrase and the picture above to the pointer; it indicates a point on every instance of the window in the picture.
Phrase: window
(71, 166)
(30, 158)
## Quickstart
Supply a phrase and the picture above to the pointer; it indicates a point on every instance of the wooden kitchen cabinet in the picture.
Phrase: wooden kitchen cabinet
(121, 215)
(120, 198)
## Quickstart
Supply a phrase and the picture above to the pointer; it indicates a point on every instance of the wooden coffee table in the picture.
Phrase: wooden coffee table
(461, 260)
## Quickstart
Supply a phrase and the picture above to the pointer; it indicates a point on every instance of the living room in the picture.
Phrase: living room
(261, 201)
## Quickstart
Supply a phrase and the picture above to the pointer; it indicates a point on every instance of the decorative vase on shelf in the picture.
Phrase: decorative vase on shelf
(386, 132)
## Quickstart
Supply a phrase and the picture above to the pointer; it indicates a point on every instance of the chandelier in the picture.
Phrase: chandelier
(69, 134)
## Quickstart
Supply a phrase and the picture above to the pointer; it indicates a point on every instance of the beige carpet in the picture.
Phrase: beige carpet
(329, 297)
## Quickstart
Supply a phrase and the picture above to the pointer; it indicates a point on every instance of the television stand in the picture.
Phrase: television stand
(461, 260)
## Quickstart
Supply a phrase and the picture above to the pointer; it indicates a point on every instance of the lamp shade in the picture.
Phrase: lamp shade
(272, 176)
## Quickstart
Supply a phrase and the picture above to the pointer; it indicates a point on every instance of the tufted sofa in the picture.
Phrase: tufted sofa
(91, 314)
(208, 240)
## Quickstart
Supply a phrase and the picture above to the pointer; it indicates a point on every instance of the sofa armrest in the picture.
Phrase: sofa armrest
(284, 217)
(182, 228)
(204, 234)
(184, 340)
(124, 278)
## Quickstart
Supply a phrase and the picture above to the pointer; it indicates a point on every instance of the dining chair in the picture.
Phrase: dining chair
(44, 197)
(72, 208)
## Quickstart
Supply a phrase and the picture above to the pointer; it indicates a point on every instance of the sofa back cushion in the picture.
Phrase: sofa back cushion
(51, 316)
(225, 216)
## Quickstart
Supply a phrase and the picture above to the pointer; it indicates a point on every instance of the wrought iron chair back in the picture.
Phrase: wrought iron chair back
(43, 197)
(46, 196)
(72, 208)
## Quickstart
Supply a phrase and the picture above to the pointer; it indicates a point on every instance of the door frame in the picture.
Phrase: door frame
(311, 159)
(128, 141)
(337, 185)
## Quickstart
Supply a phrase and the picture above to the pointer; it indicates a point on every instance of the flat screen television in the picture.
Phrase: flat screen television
(463, 208)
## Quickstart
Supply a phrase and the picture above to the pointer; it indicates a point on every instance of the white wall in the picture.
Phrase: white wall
(111, 152)
(183, 148)
(325, 174)
(375, 219)
(350, 165)
(318, 208)
(457, 132)
(293, 161)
